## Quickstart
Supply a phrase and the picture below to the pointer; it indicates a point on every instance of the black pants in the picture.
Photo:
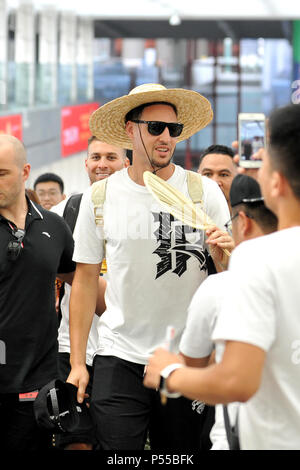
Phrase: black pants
(124, 411)
(18, 428)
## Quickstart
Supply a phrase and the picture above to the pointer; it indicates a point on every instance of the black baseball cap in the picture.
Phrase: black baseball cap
(244, 190)
(56, 408)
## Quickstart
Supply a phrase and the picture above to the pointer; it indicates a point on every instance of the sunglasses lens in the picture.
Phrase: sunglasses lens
(175, 129)
(157, 128)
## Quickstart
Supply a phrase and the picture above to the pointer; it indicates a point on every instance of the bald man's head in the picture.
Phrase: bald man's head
(19, 151)
(14, 171)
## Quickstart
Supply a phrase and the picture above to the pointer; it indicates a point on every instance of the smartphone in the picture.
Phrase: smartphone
(251, 127)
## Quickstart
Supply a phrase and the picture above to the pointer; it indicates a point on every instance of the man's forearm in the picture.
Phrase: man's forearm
(82, 308)
(206, 384)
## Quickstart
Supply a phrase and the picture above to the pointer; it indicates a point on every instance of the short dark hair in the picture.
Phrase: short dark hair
(284, 144)
(45, 177)
(93, 138)
(219, 149)
(264, 218)
(136, 113)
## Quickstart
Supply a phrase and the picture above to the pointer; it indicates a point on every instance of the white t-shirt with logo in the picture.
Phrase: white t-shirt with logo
(261, 308)
(63, 331)
(154, 264)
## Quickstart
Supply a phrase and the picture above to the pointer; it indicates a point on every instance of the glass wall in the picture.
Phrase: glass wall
(52, 59)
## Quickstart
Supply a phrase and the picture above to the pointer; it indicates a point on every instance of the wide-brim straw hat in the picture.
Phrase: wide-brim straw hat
(108, 122)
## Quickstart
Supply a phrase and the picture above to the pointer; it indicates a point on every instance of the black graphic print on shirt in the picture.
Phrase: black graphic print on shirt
(172, 237)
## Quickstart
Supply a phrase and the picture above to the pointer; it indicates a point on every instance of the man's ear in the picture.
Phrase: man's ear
(245, 224)
(26, 171)
(129, 129)
(280, 185)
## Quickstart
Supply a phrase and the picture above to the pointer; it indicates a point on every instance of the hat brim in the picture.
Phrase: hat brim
(108, 122)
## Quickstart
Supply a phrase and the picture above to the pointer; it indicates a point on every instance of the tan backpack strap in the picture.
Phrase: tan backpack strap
(194, 182)
(98, 199)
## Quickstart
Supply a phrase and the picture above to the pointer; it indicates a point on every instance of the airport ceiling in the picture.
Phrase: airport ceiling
(191, 18)
(192, 29)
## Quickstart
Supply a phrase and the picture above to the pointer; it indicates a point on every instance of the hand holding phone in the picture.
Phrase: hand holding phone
(252, 138)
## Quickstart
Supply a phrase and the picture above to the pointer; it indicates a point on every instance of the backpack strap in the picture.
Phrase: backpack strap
(71, 210)
(98, 199)
(194, 182)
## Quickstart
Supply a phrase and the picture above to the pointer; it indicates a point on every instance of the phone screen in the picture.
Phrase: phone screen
(252, 138)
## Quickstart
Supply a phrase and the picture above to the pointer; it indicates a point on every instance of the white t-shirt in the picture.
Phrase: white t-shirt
(261, 308)
(196, 341)
(63, 331)
(154, 264)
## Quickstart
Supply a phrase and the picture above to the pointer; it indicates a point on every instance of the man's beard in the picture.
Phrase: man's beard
(157, 165)
(10, 198)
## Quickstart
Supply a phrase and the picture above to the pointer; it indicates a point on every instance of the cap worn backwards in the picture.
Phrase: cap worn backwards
(244, 190)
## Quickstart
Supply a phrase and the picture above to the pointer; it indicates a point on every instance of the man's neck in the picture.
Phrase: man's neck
(136, 172)
(289, 214)
(16, 212)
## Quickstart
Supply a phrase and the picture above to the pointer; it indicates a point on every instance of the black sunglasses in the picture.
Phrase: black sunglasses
(158, 127)
(14, 247)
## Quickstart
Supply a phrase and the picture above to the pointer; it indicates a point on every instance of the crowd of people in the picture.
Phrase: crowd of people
(92, 283)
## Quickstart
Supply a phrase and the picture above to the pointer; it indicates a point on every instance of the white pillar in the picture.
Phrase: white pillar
(202, 49)
(85, 58)
(48, 55)
(133, 52)
(3, 53)
(67, 58)
(25, 53)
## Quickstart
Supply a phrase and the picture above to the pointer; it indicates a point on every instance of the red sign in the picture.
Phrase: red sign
(75, 127)
(12, 125)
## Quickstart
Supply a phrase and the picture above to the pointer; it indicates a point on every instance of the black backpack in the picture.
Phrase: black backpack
(70, 215)
(71, 210)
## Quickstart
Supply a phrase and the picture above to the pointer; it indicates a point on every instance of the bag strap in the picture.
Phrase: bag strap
(71, 210)
(195, 188)
(98, 199)
(231, 431)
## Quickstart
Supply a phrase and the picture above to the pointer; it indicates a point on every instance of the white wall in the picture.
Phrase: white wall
(71, 170)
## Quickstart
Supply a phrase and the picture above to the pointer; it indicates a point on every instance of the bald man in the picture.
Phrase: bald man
(35, 245)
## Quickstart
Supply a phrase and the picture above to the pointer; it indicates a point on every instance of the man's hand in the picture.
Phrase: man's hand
(160, 359)
(79, 377)
(218, 241)
(247, 171)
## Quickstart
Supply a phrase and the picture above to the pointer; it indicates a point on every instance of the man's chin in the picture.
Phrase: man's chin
(161, 163)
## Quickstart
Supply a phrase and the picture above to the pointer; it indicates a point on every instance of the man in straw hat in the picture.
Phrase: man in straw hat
(155, 265)
(258, 326)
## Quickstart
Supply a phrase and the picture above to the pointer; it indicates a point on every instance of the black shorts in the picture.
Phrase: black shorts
(60, 441)
(124, 412)
(18, 427)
